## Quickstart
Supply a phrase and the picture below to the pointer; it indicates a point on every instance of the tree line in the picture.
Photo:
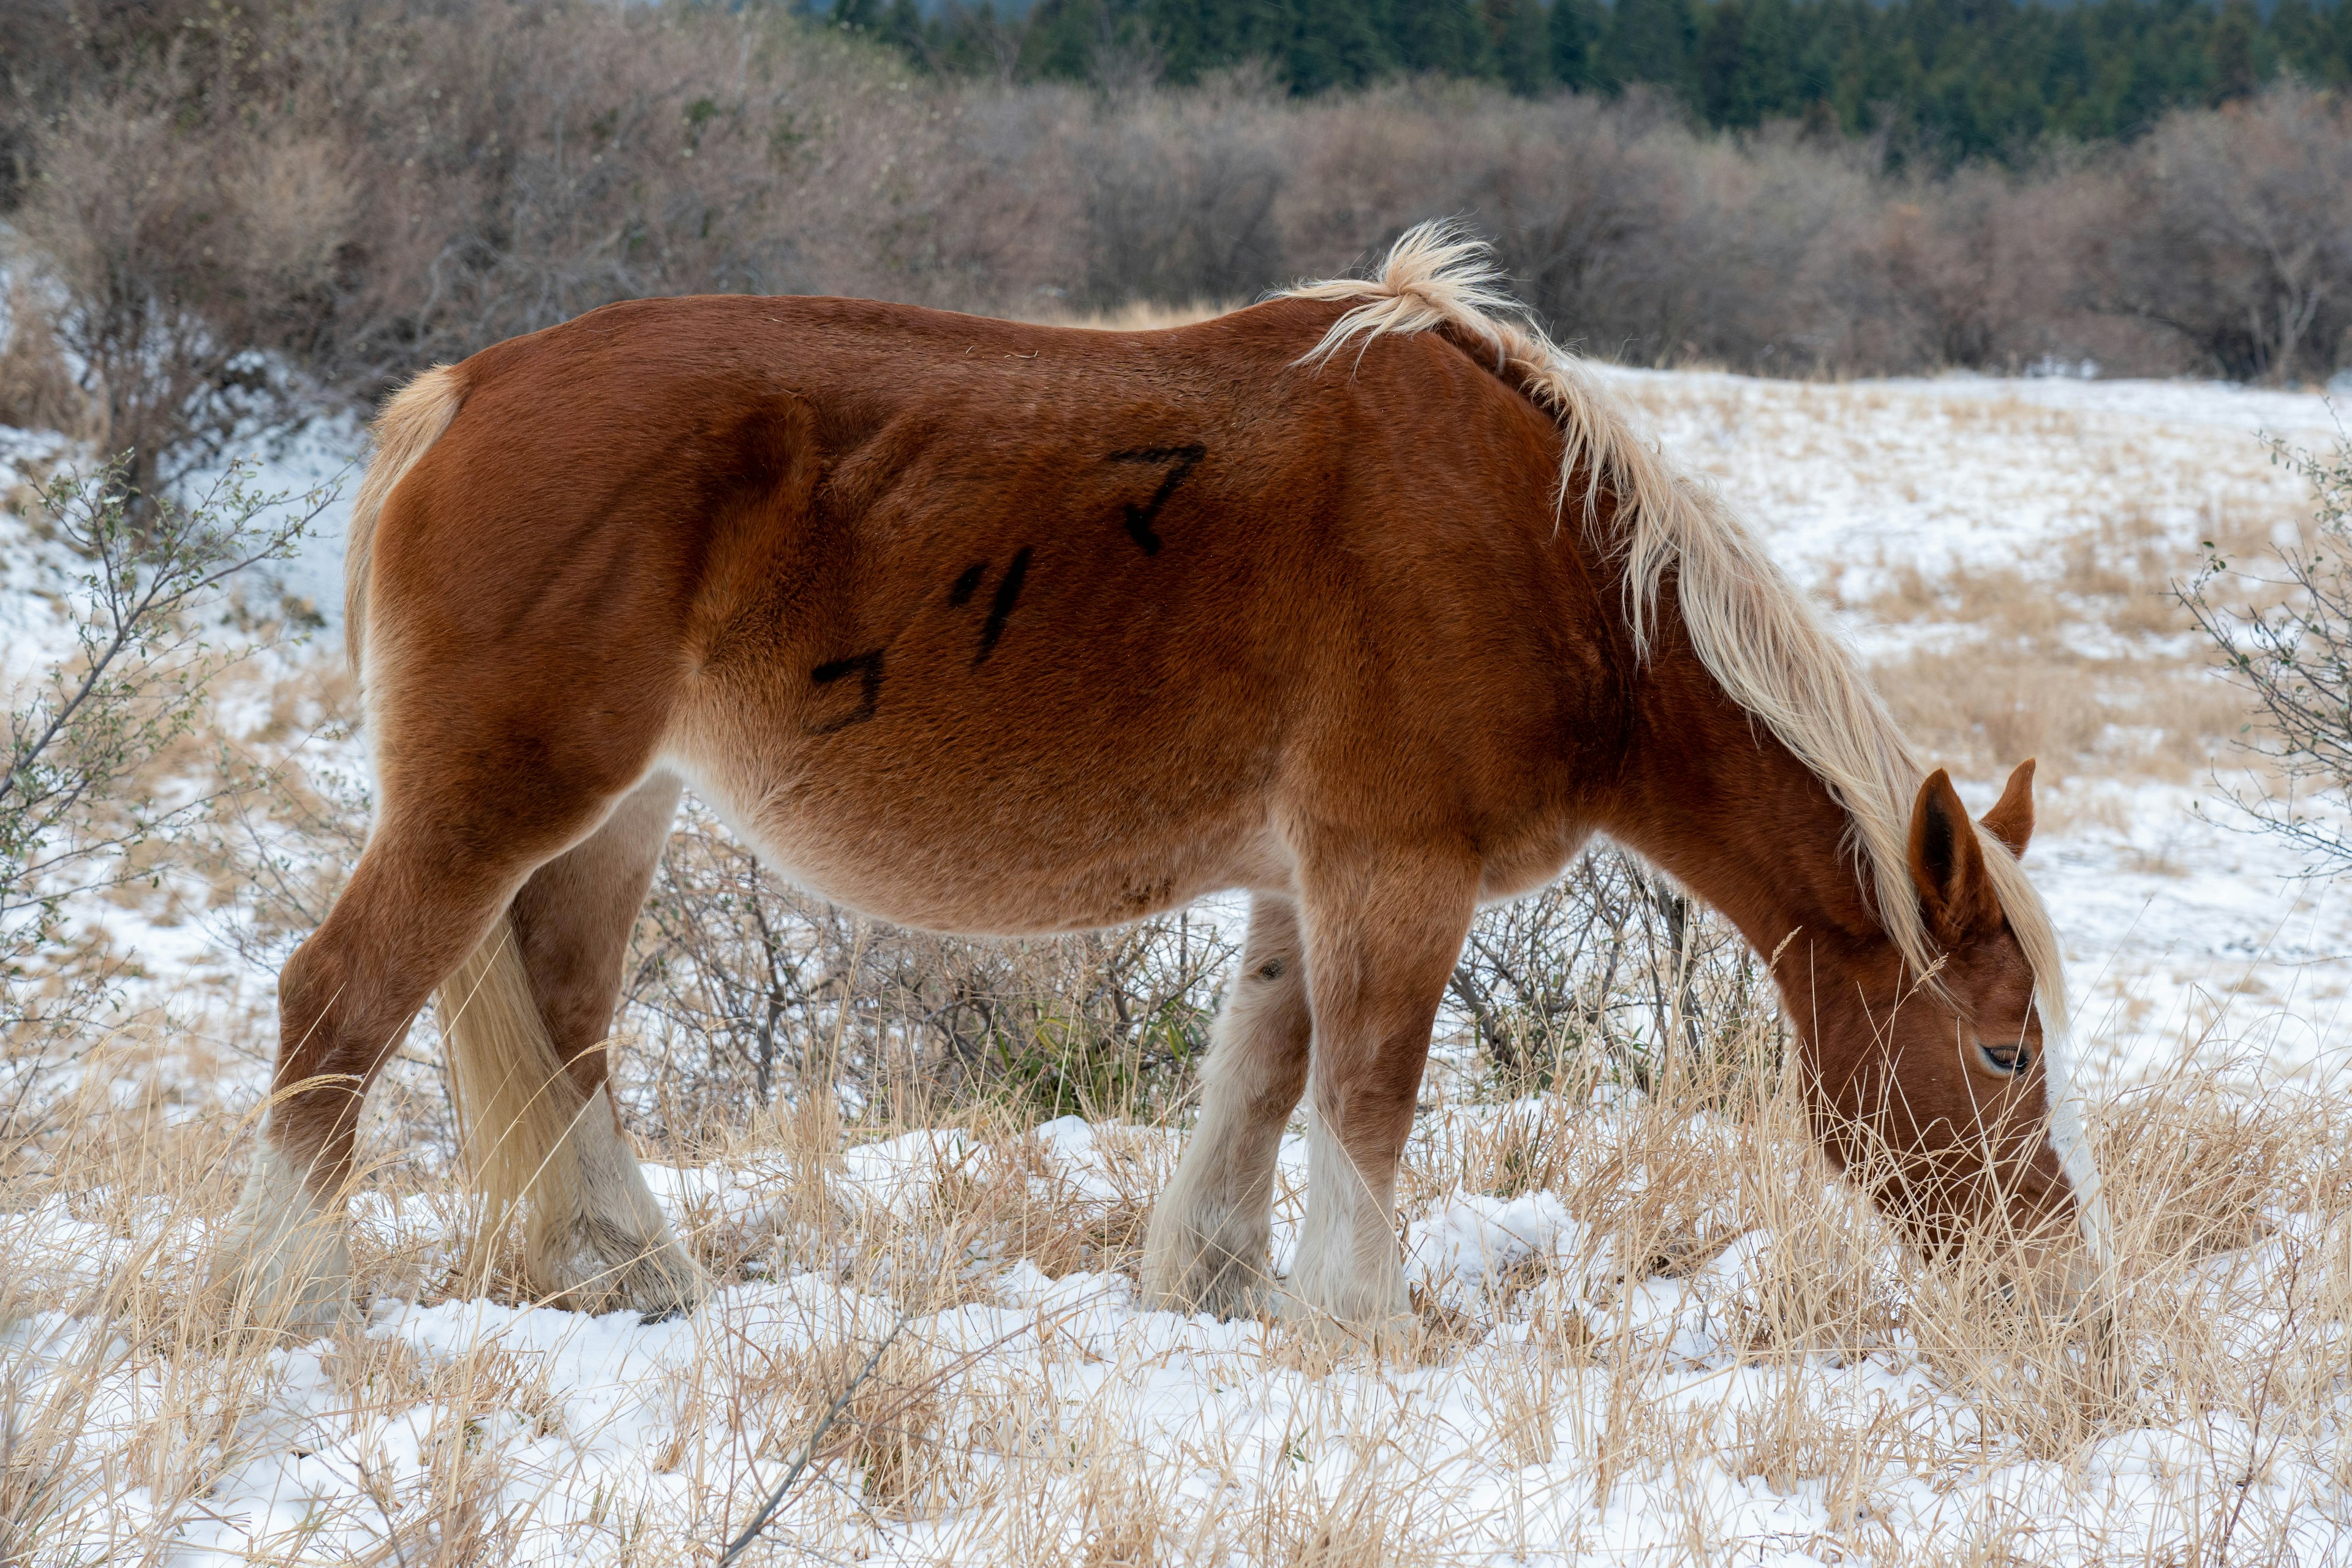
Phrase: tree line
(1959, 78)
(217, 217)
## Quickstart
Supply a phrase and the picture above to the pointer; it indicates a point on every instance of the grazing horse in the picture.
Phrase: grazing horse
(1363, 599)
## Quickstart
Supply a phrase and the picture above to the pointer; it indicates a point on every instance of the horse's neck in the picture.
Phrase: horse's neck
(1711, 798)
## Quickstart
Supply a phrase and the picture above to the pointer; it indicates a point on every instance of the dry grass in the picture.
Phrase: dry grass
(1027, 1435)
(2073, 649)
(38, 390)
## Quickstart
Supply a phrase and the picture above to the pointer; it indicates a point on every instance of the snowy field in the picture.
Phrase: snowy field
(2169, 909)
(930, 1338)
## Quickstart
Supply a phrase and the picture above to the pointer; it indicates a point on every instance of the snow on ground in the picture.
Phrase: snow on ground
(2169, 907)
(625, 1442)
(1856, 477)
(621, 1441)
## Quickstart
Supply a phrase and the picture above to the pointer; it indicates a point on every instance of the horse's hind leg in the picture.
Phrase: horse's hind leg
(487, 772)
(1207, 1247)
(434, 878)
(1384, 926)
(526, 1018)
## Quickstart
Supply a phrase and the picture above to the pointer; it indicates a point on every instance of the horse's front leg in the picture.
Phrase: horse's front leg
(1207, 1250)
(1384, 925)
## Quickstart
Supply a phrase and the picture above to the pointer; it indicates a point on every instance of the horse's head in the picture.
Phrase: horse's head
(1936, 1093)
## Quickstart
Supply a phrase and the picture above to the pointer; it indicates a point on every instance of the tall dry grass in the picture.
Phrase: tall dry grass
(903, 1397)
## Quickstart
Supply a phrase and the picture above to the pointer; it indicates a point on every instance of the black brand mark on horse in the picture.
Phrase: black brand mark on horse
(1001, 606)
(867, 666)
(1138, 517)
(968, 585)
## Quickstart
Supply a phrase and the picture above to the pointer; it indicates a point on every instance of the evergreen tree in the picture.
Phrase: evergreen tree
(1771, 85)
(1061, 38)
(1572, 37)
(1650, 41)
(1517, 45)
(1945, 78)
(1319, 44)
(1443, 36)
(902, 25)
(1197, 35)
(2232, 50)
(1722, 41)
(1747, 67)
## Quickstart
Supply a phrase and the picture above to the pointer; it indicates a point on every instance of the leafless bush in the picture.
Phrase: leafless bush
(239, 213)
(2292, 652)
(182, 283)
(745, 991)
(2235, 236)
(1181, 197)
(1600, 975)
(1972, 271)
(365, 187)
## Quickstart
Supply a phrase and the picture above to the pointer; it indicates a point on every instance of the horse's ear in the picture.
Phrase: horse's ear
(1955, 890)
(2011, 820)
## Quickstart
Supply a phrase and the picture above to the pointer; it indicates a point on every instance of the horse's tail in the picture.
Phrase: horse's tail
(411, 422)
(517, 1107)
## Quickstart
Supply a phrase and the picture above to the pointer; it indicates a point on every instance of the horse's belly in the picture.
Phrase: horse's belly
(999, 889)
(1007, 862)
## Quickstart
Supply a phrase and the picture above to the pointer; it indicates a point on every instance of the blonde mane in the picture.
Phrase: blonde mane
(1751, 628)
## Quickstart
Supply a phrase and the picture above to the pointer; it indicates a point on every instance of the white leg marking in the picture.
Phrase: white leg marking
(283, 1258)
(1349, 1270)
(1211, 1229)
(597, 1239)
(1207, 1250)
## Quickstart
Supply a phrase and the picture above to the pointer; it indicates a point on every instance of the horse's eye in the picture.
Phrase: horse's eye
(2005, 1059)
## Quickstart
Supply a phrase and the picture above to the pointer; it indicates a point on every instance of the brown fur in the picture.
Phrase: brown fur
(990, 627)
(411, 422)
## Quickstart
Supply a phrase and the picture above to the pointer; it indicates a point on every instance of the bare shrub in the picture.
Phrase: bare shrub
(1975, 271)
(1181, 192)
(521, 165)
(1600, 974)
(2287, 643)
(747, 991)
(2236, 236)
(181, 282)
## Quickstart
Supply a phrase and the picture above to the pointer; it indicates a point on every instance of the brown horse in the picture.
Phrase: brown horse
(1363, 599)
